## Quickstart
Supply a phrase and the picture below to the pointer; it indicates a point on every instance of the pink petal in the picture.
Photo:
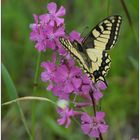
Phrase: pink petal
(97, 95)
(61, 121)
(35, 18)
(51, 23)
(49, 30)
(50, 44)
(44, 18)
(61, 11)
(75, 36)
(68, 88)
(86, 80)
(103, 128)
(75, 71)
(68, 123)
(61, 50)
(70, 112)
(64, 96)
(52, 7)
(85, 128)
(85, 89)
(40, 47)
(101, 85)
(54, 58)
(71, 62)
(45, 77)
(100, 115)
(50, 86)
(61, 73)
(86, 118)
(94, 133)
(59, 32)
(76, 82)
(33, 35)
(59, 21)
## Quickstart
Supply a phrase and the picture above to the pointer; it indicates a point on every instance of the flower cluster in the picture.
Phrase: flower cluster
(93, 126)
(64, 78)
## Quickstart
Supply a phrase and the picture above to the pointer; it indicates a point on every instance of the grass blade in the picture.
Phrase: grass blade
(11, 90)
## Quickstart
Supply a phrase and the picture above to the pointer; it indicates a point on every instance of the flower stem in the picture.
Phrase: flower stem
(34, 92)
(101, 138)
(93, 101)
(94, 109)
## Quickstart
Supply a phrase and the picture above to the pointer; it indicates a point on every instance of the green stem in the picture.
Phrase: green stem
(108, 7)
(94, 109)
(35, 84)
(29, 98)
(24, 121)
(129, 18)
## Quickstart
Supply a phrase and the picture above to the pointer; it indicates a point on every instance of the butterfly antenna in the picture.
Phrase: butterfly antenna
(84, 30)
(67, 33)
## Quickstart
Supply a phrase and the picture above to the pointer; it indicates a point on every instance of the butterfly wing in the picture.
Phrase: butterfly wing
(100, 61)
(90, 66)
(72, 49)
(101, 38)
(104, 35)
(92, 53)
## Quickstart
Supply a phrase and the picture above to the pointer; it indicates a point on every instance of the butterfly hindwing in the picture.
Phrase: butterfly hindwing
(100, 64)
(104, 35)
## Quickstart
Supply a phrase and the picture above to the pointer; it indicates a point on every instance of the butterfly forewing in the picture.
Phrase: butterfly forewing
(104, 35)
(74, 52)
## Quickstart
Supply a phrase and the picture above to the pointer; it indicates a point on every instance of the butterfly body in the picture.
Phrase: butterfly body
(91, 53)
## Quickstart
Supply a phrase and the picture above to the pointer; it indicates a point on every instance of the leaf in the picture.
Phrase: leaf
(134, 63)
(10, 87)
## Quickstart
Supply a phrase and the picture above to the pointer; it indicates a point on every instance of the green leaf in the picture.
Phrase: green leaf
(134, 63)
(10, 87)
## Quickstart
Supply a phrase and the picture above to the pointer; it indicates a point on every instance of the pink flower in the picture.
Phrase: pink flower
(101, 85)
(65, 116)
(93, 126)
(86, 82)
(67, 80)
(46, 36)
(54, 16)
(48, 73)
(64, 77)
(97, 94)
(53, 35)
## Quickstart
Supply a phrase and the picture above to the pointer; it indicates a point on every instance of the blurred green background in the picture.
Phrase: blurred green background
(120, 101)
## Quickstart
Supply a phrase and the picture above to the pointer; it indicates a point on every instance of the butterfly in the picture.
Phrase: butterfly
(91, 53)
